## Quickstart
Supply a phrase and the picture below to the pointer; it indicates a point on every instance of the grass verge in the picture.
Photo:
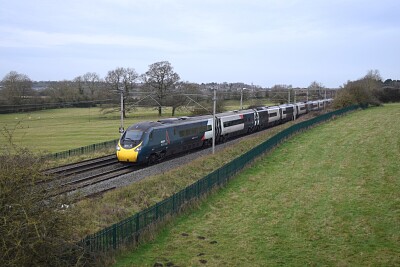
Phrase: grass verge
(329, 196)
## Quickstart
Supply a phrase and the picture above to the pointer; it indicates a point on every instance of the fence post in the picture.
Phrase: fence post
(157, 205)
(173, 203)
(137, 227)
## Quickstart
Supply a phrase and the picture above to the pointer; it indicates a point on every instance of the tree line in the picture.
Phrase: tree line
(88, 89)
(160, 86)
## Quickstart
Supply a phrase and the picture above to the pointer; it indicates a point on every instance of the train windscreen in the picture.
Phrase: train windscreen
(131, 138)
(134, 135)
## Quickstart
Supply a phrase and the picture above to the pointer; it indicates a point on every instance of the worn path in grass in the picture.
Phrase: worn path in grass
(330, 196)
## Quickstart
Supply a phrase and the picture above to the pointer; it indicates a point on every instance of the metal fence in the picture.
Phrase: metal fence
(130, 229)
(82, 150)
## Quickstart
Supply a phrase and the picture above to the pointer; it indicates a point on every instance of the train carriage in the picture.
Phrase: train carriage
(274, 115)
(312, 105)
(321, 104)
(288, 112)
(262, 117)
(301, 108)
(237, 122)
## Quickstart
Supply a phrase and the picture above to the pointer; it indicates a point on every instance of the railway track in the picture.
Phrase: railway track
(82, 166)
(84, 179)
(72, 178)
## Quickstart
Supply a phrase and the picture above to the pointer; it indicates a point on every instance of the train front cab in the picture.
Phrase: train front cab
(127, 154)
(129, 145)
(134, 139)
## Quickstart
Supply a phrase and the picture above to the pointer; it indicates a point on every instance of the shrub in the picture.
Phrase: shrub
(362, 92)
(36, 228)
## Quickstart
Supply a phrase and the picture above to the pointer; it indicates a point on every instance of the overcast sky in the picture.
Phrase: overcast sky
(264, 42)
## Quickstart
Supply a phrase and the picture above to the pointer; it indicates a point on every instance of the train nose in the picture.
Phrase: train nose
(127, 155)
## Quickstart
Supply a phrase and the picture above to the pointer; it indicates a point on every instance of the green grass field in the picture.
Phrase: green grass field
(338, 204)
(57, 130)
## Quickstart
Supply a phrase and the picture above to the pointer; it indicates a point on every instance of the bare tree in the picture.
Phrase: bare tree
(280, 93)
(91, 80)
(17, 86)
(122, 80)
(160, 79)
(314, 90)
(65, 91)
(184, 93)
(373, 75)
(79, 83)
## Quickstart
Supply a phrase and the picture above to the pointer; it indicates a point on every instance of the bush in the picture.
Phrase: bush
(36, 228)
(362, 92)
(389, 94)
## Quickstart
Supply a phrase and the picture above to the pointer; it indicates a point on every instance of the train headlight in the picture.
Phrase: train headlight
(118, 148)
(137, 149)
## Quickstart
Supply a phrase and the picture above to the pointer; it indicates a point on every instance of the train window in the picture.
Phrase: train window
(203, 129)
(151, 135)
(133, 135)
(272, 114)
(234, 122)
(194, 131)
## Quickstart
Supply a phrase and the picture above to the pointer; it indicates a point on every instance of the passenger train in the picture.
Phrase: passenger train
(150, 142)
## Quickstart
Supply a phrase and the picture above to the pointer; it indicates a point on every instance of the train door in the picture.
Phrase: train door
(283, 113)
(218, 129)
(256, 119)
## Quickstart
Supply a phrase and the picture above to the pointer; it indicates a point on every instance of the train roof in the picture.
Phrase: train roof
(286, 105)
(234, 112)
(184, 119)
(146, 125)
